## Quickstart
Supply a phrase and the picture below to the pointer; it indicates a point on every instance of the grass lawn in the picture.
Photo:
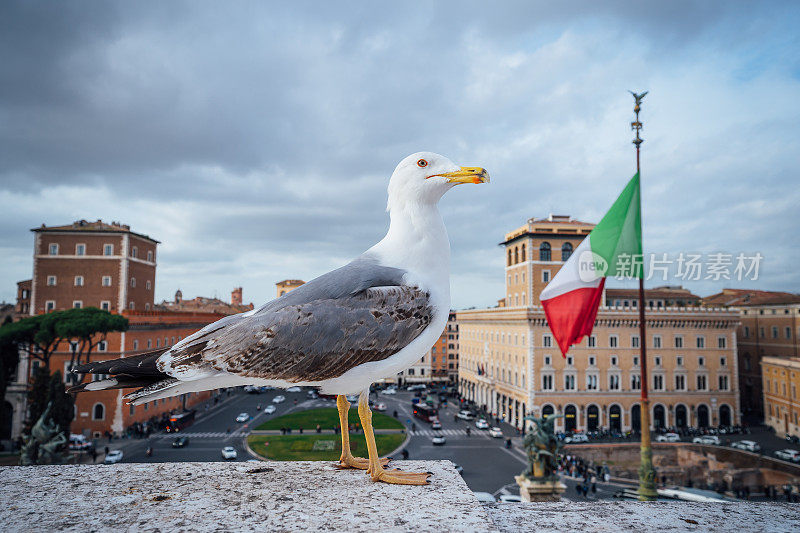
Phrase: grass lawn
(327, 418)
(328, 447)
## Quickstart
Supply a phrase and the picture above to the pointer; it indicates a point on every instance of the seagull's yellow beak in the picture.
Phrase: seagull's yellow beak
(466, 175)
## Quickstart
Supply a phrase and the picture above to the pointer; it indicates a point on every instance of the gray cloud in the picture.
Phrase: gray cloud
(256, 140)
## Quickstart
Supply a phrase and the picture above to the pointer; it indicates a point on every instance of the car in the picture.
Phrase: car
(352, 398)
(747, 445)
(788, 455)
(792, 438)
(243, 417)
(78, 441)
(484, 497)
(279, 399)
(293, 389)
(707, 439)
(270, 409)
(510, 498)
(435, 424)
(438, 440)
(313, 394)
(229, 452)
(389, 391)
(481, 424)
(496, 432)
(459, 469)
(668, 437)
(380, 407)
(180, 442)
(465, 415)
(251, 389)
(113, 457)
(576, 437)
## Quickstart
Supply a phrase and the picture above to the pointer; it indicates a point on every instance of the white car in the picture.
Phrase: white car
(577, 437)
(279, 399)
(293, 389)
(668, 437)
(229, 452)
(438, 440)
(380, 407)
(464, 415)
(788, 455)
(270, 409)
(481, 424)
(113, 457)
(435, 424)
(243, 417)
(747, 445)
(707, 439)
(510, 498)
(484, 497)
(389, 391)
(496, 432)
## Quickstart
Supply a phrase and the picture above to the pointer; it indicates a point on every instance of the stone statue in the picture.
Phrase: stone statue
(542, 446)
(43, 445)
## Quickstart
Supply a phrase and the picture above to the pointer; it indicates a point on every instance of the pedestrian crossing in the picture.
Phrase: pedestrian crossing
(449, 433)
(200, 435)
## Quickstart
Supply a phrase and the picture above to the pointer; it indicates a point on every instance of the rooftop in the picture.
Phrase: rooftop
(293, 496)
(667, 292)
(748, 297)
(201, 304)
(550, 225)
(98, 226)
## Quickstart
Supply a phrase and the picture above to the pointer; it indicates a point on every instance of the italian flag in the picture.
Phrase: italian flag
(613, 248)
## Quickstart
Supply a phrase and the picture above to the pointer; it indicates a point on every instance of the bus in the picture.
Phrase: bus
(424, 412)
(180, 421)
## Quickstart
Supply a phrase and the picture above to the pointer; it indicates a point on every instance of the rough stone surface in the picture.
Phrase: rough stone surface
(285, 496)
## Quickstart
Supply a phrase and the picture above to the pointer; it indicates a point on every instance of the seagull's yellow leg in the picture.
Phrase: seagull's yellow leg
(376, 470)
(347, 460)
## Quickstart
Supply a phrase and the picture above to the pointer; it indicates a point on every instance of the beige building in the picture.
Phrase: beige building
(287, 285)
(781, 379)
(510, 364)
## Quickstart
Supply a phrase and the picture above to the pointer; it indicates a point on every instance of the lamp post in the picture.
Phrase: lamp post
(647, 474)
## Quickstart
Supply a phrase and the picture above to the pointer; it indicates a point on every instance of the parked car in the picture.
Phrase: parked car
(747, 445)
(293, 389)
(229, 452)
(438, 440)
(481, 424)
(459, 469)
(435, 424)
(243, 417)
(270, 409)
(380, 407)
(788, 455)
(576, 437)
(419, 387)
(792, 438)
(668, 437)
(485, 497)
(390, 391)
(279, 399)
(313, 394)
(180, 442)
(465, 415)
(113, 457)
(707, 439)
(78, 441)
(510, 498)
(496, 432)
(251, 389)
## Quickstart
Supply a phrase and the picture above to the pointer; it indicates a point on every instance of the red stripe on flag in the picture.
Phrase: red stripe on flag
(572, 314)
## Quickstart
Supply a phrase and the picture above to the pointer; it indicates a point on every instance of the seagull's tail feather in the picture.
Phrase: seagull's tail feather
(173, 387)
(136, 371)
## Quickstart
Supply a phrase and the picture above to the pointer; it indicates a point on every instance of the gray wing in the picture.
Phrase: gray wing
(318, 339)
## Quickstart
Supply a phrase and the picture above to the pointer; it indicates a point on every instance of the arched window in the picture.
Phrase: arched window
(516, 255)
(509, 257)
(98, 412)
(523, 252)
(544, 251)
(566, 251)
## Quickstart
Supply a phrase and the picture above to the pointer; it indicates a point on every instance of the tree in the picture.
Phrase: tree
(36, 334)
(38, 395)
(46, 389)
(9, 359)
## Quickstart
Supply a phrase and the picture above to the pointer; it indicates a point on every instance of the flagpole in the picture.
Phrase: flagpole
(647, 474)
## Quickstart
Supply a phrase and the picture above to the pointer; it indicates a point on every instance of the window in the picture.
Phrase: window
(131, 306)
(150, 255)
(547, 341)
(701, 341)
(678, 341)
(656, 341)
(79, 281)
(50, 305)
(613, 341)
(636, 382)
(545, 276)
(523, 258)
(53, 249)
(566, 251)
(723, 361)
(723, 383)
(613, 360)
(547, 382)
(761, 332)
(51, 281)
(106, 281)
(722, 342)
(569, 361)
(591, 382)
(134, 252)
(591, 360)
(658, 361)
(546, 360)
(613, 382)
(788, 332)
(658, 382)
(680, 382)
(634, 341)
(135, 344)
(774, 332)
(105, 305)
(701, 361)
(544, 251)
(158, 343)
(701, 382)
(679, 360)
(108, 249)
(80, 249)
(133, 282)
(102, 346)
(569, 382)
(98, 412)
(635, 360)
(149, 343)
(592, 341)
(746, 331)
(77, 304)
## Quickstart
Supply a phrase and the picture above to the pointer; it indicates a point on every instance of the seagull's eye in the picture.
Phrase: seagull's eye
(422, 163)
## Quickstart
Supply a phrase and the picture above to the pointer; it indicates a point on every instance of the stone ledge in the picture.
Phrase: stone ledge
(286, 496)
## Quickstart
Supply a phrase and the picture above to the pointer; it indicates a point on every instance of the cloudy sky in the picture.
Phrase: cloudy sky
(256, 141)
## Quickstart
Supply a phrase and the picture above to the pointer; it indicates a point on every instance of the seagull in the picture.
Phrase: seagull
(340, 332)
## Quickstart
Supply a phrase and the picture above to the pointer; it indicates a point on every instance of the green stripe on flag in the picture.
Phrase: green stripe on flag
(618, 236)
